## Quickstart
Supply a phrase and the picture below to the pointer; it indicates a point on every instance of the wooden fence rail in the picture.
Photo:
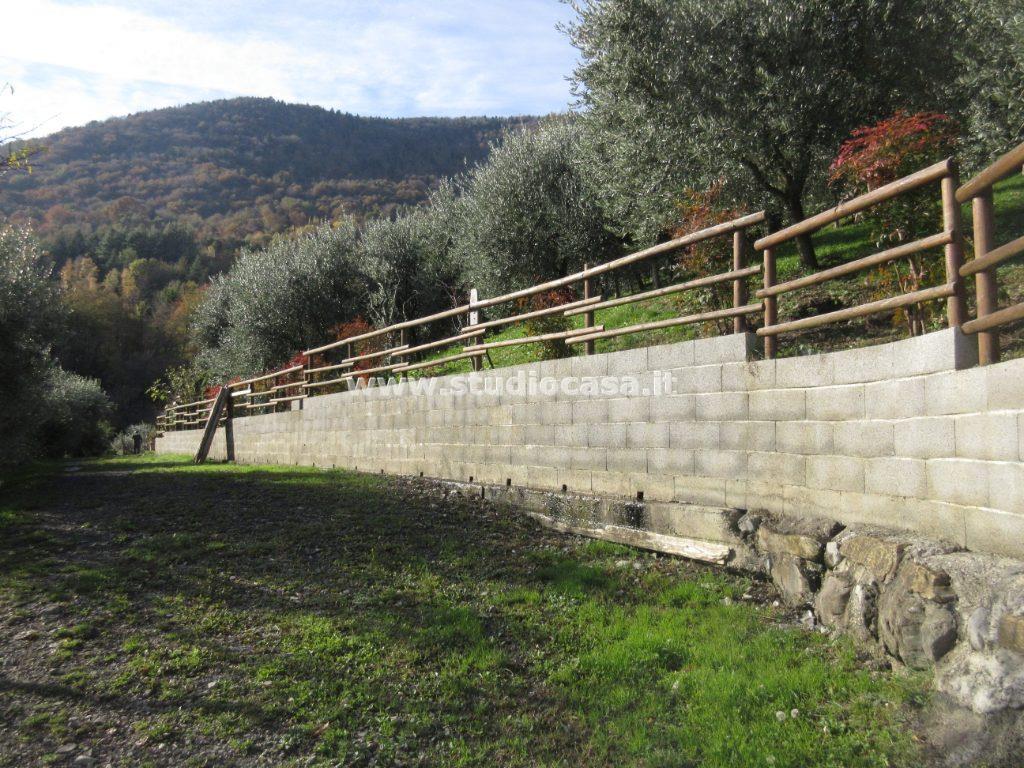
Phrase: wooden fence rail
(950, 239)
(399, 355)
(987, 257)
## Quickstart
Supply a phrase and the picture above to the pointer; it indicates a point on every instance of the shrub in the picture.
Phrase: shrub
(697, 210)
(124, 442)
(77, 413)
(878, 154)
(537, 326)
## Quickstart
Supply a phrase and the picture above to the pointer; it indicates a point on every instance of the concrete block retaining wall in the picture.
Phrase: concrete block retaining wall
(906, 435)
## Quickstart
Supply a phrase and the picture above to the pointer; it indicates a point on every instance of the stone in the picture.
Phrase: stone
(832, 555)
(1011, 632)
(983, 682)
(915, 622)
(802, 537)
(796, 579)
(830, 603)
(881, 556)
(748, 524)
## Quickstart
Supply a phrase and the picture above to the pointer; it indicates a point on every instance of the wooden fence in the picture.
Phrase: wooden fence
(396, 355)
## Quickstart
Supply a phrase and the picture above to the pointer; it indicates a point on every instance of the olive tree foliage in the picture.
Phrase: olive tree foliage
(993, 79)
(529, 213)
(77, 416)
(45, 409)
(279, 300)
(408, 263)
(676, 94)
(29, 319)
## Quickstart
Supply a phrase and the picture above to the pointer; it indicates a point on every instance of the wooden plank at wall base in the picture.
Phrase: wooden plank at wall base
(694, 549)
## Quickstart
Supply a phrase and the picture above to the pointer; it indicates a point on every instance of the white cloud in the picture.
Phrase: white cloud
(91, 60)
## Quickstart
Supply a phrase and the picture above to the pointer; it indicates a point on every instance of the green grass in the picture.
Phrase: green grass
(219, 615)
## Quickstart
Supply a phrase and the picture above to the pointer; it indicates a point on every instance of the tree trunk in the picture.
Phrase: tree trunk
(804, 244)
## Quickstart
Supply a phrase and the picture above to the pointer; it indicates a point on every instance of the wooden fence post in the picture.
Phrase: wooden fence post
(771, 308)
(474, 318)
(588, 317)
(739, 286)
(956, 305)
(985, 281)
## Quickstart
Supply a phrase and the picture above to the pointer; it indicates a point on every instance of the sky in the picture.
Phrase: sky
(72, 61)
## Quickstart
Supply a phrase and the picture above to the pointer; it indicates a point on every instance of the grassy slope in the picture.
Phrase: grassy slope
(834, 246)
(158, 613)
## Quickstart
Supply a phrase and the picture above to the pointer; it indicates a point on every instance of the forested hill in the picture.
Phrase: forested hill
(237, 170)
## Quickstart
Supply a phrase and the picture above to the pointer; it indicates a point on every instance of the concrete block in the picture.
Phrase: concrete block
(995, 531)
(897, 399)
(804, 371)
(836, 403)
(654, 487)
(719, 463)
(647, 435)
(669, 356)
(556, 413)
(804, 437)
(589, 411)
(629, 409)
(695, 435)
(945, 350)
(1004, 385)
(588, 458)
(628, 362)
(572, 435)
(835, 473)
(1006, 486)
(539, 434)
(690, 489)
(607, 435)
(958, 481)
(589, 365)
(896, 477)
(627, 460)
(670, 461)
(777, 405)
(702, 378)
(542, 477)
(823, 502)
(991, 436)
(925, 438)
(744, 377)
(864, 438)
(954, 392)
(612, 483)
(575, 480)
(673, 408)
(856, 366)
(721, 406)
(747, 435)
(777, 468)
(734, 348)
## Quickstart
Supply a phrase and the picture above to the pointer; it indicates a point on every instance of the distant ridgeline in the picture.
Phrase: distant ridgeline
(238, 170)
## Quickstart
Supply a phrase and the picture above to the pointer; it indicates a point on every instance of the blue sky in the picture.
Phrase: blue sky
(72, 61)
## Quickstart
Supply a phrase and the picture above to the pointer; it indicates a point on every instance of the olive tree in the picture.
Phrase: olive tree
(279, 300)
(760, 93)
(993, 77)
(409, 265)
(530, 212)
